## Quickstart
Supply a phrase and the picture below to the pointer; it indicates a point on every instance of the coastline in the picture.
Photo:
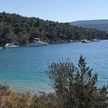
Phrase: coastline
(31, 87)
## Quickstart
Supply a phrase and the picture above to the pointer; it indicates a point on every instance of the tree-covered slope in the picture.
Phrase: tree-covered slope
(16, 28)
(97, 24)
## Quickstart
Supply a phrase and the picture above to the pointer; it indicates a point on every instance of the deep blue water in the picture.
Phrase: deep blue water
(25, 68)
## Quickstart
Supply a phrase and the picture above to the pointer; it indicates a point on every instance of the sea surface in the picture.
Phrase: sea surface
(25, 69)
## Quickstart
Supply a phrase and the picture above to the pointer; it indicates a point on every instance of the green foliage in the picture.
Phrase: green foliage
(16, 28)
(76, 86)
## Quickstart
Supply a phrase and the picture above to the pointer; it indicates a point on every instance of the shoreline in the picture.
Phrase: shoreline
(23, 86)
(59, 42)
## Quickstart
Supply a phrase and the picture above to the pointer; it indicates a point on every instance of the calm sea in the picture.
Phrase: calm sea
(25, 68)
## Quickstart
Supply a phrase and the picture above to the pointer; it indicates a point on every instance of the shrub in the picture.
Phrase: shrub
(75, 86)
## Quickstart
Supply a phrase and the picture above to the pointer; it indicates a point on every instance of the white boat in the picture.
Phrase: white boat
(95, 40)
(11, 45)
(37, 42)
(1, 47)
(85, 41)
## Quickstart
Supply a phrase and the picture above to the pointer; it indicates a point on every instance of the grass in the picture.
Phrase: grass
(12, 99)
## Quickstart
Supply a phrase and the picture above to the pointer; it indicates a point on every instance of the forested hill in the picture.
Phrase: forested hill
(16, 28)
(97, 24)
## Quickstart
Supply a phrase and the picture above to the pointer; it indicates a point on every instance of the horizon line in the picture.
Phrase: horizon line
(97, 19)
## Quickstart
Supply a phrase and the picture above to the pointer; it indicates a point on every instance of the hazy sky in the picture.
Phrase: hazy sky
(58, 10)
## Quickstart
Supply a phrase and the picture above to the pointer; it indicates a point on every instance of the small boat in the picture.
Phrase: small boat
(1, 47)
(95, 40)
(85, 41)
(11, 45)
(37, 42)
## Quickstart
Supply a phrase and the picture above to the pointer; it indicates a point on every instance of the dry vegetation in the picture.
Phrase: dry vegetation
(11, 99)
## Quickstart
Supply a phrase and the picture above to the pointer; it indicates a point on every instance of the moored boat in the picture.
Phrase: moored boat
(11, 45)
(37, 42)
(85, 41)
(95, 40)
(1, 47)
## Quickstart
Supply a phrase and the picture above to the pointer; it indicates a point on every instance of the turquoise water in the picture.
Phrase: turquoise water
(25, 68)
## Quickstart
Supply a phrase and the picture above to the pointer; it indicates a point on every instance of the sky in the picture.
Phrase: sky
(58, 10)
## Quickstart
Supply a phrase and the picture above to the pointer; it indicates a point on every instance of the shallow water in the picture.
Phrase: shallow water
(25, 68)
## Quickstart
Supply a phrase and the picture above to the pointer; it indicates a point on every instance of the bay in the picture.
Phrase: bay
(25, 69)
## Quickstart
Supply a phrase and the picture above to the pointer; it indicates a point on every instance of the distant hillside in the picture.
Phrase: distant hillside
(19, 29)
(98, 24)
